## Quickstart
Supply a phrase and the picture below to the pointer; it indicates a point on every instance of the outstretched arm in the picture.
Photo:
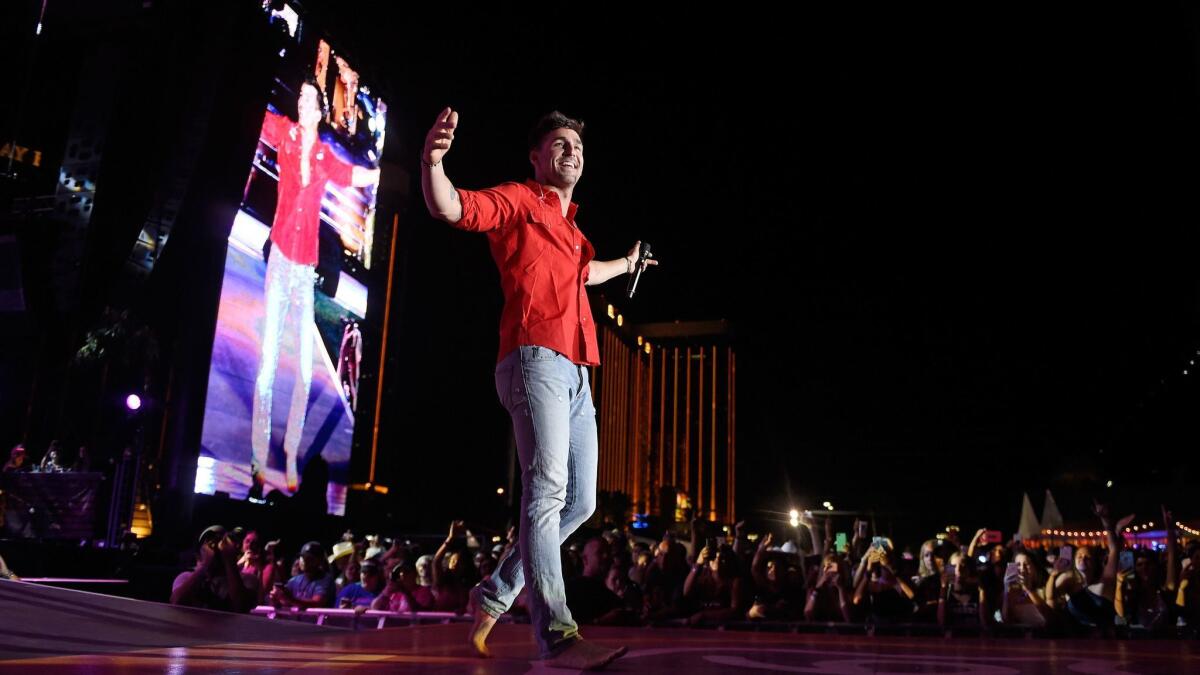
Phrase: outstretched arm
(440, 196)
(600, 271)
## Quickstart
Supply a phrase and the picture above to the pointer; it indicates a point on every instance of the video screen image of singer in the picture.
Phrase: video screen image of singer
(283, 382)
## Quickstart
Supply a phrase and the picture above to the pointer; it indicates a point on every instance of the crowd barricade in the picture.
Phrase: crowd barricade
(375, 619)
(357, 619)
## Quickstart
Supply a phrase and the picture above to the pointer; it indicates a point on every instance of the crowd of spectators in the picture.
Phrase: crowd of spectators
(721, 576)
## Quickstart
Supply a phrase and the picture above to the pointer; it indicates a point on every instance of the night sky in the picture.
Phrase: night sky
(957, 247)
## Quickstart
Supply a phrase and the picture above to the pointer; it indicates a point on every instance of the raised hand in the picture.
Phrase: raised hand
(228, 548)
(765, 542)
(632, 256)
(1123, 523)
(440, 137)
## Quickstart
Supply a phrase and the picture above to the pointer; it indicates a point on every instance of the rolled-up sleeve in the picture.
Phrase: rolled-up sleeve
(490, 209)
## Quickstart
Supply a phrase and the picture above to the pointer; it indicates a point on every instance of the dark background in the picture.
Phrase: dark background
(956, 245)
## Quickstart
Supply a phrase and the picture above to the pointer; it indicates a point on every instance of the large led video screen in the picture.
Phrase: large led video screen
(283, 382)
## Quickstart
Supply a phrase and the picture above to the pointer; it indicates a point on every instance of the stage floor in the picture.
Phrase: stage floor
(441, 649)
(55, 630)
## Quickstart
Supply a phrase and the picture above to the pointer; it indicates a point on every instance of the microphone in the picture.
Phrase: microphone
(631, 285)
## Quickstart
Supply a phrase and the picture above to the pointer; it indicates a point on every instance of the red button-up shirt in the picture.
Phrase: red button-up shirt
(543, 262)
(298, 210)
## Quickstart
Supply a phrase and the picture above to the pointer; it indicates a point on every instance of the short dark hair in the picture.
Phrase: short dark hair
(549, 122)
(312, 81)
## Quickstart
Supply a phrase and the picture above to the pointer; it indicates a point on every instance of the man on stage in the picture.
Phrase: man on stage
(547, 339)
(305, 164)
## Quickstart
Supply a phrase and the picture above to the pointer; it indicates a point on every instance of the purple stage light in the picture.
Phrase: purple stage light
(133, 401)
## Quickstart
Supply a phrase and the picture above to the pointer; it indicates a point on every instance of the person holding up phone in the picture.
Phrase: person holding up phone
(1088, 588)
(884, 595)
(859, 542)
(961, 603)
(778, 584)
(991, 578)
(216, 582)
(1024, 600)
(714, 587)
(1141, 599)
(829, 599)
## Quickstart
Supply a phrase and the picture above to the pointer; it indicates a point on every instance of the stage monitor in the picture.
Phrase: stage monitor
(283, 383)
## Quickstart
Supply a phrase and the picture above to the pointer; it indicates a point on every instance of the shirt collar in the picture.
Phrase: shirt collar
(546, 194)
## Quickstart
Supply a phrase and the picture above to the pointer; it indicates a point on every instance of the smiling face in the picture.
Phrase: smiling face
(1083, 560)
(558, 159)
(1025, 565)
(308, 106)
(250, 543)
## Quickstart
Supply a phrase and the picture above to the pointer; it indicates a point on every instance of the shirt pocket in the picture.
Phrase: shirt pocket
(529, 246)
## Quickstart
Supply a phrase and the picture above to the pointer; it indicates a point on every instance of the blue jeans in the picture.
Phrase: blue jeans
(554, 422)
(289, 290)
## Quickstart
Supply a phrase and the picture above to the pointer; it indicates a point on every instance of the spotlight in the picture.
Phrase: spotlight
(133, 402)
